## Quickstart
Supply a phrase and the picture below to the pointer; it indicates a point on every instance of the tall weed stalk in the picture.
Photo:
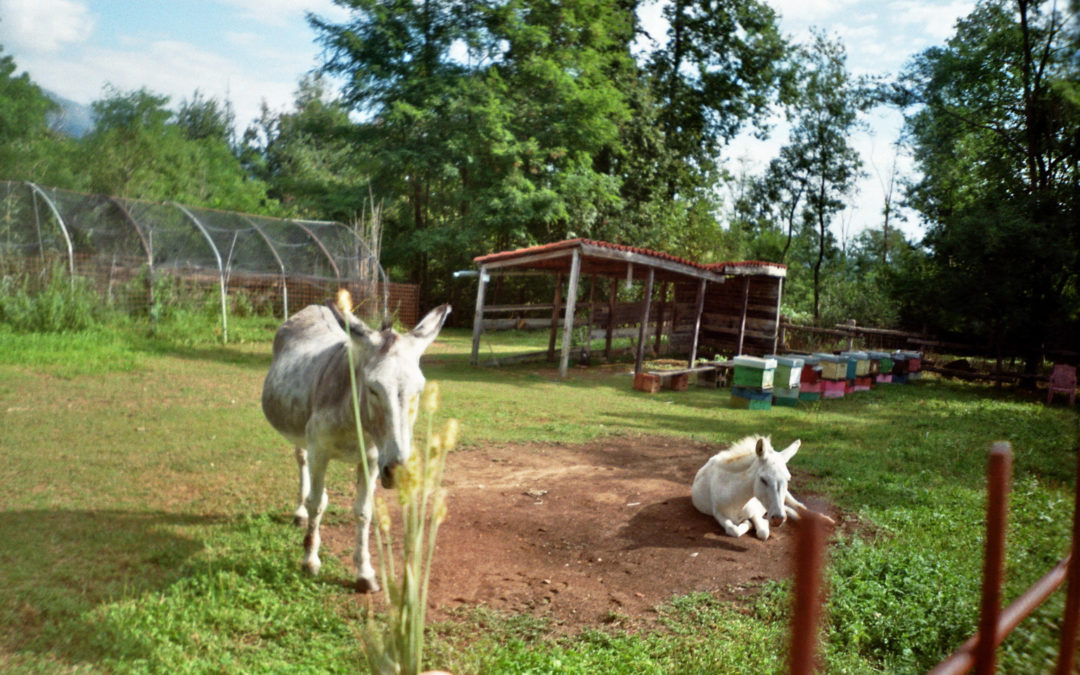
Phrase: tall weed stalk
(398, 647)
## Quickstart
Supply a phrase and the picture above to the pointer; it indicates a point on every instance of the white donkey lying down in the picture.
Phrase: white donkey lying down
(745, 483)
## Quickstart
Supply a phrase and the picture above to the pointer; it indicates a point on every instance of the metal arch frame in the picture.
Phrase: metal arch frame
(379, 271)
(135, 226)
(318, 242)
(60, 221)
(280, 262)
(221, 269)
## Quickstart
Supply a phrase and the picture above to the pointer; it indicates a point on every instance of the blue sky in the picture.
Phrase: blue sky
(251, 51)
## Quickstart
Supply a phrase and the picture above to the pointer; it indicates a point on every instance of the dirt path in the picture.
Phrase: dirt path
(588, 534)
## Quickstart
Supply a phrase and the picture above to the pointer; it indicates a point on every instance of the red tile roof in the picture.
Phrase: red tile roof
(720, 267)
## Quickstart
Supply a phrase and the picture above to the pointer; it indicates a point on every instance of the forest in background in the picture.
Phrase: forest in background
(484, 125)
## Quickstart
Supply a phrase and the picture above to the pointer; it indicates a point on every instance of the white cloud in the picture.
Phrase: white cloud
(282, 13)
(43, 26)
(813, 12)
(932, 21)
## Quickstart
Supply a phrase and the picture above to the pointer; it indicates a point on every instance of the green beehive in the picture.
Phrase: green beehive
(752, 372)
(788, 371)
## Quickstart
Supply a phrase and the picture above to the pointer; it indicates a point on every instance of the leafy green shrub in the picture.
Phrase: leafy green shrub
(53, 303)
(903, 607)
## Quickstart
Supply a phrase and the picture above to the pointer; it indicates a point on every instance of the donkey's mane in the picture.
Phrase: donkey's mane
(740, 455)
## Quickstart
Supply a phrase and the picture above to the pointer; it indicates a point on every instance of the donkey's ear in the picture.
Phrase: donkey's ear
(787, 453)
(356, 328)
(428, 328)
(760, 449)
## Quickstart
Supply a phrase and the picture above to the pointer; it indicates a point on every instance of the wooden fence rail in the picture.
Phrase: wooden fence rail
(995, 623)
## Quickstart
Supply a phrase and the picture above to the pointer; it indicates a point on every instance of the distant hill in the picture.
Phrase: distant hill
(72, 119)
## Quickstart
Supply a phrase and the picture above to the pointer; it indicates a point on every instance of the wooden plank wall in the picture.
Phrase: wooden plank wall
(722, 315)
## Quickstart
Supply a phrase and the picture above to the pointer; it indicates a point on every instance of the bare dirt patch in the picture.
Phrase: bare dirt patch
(589, 534)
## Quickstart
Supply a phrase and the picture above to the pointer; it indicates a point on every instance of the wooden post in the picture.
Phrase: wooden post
(660, 318)
(590, 316)
(699, 307)
(571, 305)
(851, 336)
(1071, 619)
(745, 305)
(994, 565)
(478, 317)
(555, 317)
(776, 330)
(644, 322)
(809, 552)
(610, 318)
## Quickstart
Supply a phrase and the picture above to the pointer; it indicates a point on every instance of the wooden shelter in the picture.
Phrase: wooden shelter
(721, 307)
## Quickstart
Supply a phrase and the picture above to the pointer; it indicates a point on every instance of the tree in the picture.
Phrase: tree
(28, 150)
(818, 167)
(306, 156)
(998, 144)
(137, 150)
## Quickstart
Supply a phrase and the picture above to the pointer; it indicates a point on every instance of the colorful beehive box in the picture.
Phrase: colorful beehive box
(864, 383)
(901, 365)
(833, 367)
(786, 397)
(833, 388)
(788, 371)
(811, 371)
(914, 361)
(753, 372)
(749, 398)
(859, 364)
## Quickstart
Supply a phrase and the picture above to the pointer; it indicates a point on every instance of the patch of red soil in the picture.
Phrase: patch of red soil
(588, 534)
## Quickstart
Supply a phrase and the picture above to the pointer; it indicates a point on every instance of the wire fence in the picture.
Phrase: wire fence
(139, 255)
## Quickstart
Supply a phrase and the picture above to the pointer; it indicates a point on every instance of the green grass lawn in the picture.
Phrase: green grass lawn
(145, 504)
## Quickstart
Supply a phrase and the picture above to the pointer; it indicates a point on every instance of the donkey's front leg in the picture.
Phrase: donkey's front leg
(366, 581)
(316, 506)
(300, 515)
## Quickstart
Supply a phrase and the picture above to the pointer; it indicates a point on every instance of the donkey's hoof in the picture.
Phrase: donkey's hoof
(366, 585)
(300, 521)
(312, 566)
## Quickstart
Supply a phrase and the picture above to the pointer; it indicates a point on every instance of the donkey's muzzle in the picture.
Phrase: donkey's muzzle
(386, 475)
(776, 521)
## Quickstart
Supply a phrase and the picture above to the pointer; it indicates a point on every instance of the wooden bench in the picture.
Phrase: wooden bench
(710, 375)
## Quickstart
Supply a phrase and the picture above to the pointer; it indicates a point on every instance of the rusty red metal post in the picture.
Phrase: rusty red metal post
(809, 553)
(997, 509)
(1071, 619)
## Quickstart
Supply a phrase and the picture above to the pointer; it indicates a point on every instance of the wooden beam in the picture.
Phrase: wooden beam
(478, 317)
(610, 318)
(555, 317)
(644, 321)
(660, 319)
(589, 318)
(700, 307)
(779, 295)
(745, 301)
(568, 322)
(523, 260)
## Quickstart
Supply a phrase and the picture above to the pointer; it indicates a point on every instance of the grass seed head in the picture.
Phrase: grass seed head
(344, 300)
(431, 398)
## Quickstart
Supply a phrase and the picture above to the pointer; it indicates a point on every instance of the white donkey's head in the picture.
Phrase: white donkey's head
(771, 482)
(390, 382)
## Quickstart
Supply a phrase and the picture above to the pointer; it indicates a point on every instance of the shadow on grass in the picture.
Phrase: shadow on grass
(60, 564)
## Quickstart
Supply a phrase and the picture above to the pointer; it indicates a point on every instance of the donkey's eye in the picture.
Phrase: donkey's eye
(763, 481)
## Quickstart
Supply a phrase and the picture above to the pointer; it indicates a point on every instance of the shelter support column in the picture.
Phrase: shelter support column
(640, 359)
(478, 318)
(591, 316)
(610, 318)
(776, 328)
(568, 321)
(699, 307)
(555, 305)
(745, 306)
(660, 319)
